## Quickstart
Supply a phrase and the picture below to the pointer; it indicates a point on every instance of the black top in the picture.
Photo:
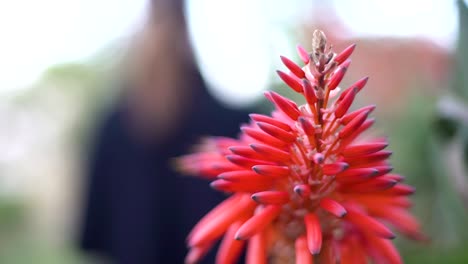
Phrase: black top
(138, 209)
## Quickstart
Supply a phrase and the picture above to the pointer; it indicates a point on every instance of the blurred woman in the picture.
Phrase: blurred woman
(138, 210)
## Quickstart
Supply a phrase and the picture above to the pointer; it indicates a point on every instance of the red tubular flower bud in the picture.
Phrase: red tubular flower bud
(314, 233)
(303, 190)
(244, 151)
(382, 170)
(334, 168)
(258, 222)
(290, 81)
(350, 116)
(338, 75)
(353, 125)
(373, 185)
(242, 176)
(230, 249)
(277, 132)
(345, 104)
(271, 197)
(271, 153)
(293, 67)
(270, 120)
(340, 58)
(240, 186)
(356, 175)
(256, 250)
(318, 158)
(245, 162)
(219, 223)
(272, 170)
(303, 255)
(309, 92)
(307, 126)
(263, 137)
(332, 207)
(369, 159)
(401, 189)
(363, 149)
(285, 106)
(366, 222)
(359, 85)
(303, 54)
(196, 253)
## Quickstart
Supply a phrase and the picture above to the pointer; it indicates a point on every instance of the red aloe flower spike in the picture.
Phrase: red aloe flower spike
(258, 222)
(314, 233)
(340, 58)
(303, 255)
(305, 182)
(293, 67)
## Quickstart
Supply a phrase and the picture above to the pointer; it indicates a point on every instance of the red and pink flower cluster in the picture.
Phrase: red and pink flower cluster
(305, 184)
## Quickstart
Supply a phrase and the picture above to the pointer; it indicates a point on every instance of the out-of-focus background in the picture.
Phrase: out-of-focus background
(59, 65)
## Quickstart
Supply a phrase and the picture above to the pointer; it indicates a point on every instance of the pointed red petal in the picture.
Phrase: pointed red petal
(242, 186)
(334, 168)
(272, 154)
(363, 149)
(271, 197)
(243, 176)
(359, 85)
(293, 67)
(290, 81)
(285, 105)
(245, 162)
(314, 233)
(303, 255)
(302, 190)
(277, 132)
(256, 250)
(340, 58)
(303, 54)
(337, 76)
(332, 207)
(368, 223)
(216, 225)
(307, 126)
(263, 137)
(373, 185)
(355, 175)
(245, 151)
(272, 170)
(309, 92)
(258, 222)
(270, 120)
(348, 117)
(401, 189)
(196, 253)
(345, 104)
(352, 126)
(368, 159)
(230, 249)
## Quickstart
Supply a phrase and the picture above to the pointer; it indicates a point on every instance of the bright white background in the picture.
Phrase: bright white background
(37, 34)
